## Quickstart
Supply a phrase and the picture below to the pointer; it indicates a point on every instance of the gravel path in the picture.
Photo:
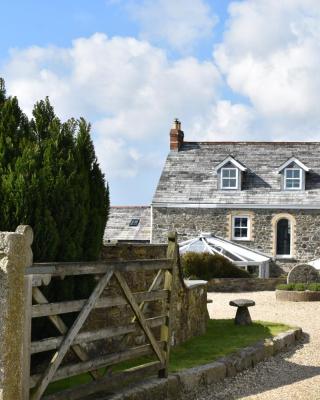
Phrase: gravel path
(293, 375)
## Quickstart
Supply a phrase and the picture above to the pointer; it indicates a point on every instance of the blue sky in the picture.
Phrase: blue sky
(231, 70)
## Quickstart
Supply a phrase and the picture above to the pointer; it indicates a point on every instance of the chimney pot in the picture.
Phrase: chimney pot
(176, 124)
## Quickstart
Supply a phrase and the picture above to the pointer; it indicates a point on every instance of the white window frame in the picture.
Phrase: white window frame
(236, 178)
(300, 179)
(248, 237)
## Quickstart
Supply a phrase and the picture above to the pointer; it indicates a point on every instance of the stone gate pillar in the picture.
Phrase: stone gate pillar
(15, 256)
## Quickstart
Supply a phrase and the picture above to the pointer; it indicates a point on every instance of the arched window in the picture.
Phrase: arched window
(283, 237)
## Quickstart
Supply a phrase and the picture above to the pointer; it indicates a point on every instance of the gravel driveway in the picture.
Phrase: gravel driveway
(292, 375)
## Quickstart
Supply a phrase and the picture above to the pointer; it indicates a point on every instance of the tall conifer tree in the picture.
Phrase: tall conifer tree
(51, 180)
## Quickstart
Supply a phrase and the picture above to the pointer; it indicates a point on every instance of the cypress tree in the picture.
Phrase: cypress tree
(14, 136)
(50, 179)
(96, 193)
(2, 91)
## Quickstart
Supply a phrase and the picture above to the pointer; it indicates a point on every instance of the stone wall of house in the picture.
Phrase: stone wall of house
(188, 222)
(190, 315)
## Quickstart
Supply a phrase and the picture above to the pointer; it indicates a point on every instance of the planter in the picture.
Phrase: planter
(293, 295)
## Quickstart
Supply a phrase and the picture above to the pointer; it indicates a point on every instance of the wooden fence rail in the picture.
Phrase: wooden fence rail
(156, 329)
(71, 268)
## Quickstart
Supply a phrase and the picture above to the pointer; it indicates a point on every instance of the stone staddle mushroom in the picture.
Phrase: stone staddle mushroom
(242, 316)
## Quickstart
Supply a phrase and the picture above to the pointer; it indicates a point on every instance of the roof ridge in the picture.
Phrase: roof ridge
(252, 142)
(130, 206)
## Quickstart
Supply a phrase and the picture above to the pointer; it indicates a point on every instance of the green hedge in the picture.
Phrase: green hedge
(315, 287)
(209, 266)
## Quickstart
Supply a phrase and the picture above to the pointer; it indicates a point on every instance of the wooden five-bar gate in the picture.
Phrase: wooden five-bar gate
(157, 341)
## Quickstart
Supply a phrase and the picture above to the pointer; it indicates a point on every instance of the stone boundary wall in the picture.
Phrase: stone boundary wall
(181, 385)
(243, 284)
(190, 317)
(133, 251)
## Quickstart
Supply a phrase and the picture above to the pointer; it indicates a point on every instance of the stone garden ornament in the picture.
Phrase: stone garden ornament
(303, 273)
(242, 316)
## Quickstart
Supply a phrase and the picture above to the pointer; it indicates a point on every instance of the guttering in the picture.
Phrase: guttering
(238, 206)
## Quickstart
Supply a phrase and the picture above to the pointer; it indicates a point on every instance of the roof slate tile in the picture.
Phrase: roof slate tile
(189, 175)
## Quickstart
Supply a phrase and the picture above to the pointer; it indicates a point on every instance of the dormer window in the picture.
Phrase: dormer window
(229, 174)
(229, 178)
(293, 174)
(293, 179)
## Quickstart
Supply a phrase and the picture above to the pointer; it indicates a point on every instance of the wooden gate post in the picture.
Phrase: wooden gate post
(170, 284)
(15, 256)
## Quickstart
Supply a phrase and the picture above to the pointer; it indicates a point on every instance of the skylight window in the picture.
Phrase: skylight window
(229, 178)
(134, 222)
(292, 178)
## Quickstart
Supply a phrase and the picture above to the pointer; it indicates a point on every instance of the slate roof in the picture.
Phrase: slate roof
(189, 175)
(118, 228)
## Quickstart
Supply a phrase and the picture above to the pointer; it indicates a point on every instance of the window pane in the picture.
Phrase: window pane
(296, 183)
(289, 183)
(226, 182)
(237, 232)
(225, 173)
(233, 183)
(289, 173)
(244, 222)
(232, 173)
(296, 173)
(244, 232)
(237, 221)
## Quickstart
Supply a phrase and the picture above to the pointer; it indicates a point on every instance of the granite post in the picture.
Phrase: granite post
(15, 256)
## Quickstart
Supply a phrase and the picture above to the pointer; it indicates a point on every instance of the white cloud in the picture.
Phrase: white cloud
(271, 54)
(225, 121)
(129, 89)
(119, 160)
(179, 23)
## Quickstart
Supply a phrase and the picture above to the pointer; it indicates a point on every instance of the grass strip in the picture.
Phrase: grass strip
(221, 338)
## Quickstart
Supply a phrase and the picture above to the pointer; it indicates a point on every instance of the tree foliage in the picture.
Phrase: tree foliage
(50, 179)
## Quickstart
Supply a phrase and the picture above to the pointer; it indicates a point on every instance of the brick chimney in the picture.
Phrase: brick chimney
(176, 136)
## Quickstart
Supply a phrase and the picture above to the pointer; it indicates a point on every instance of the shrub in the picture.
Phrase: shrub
(300, 287)
(315, 287)
(284, 286)
(209, 266)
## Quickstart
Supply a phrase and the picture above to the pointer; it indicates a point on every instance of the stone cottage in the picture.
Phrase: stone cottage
(264, 195)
